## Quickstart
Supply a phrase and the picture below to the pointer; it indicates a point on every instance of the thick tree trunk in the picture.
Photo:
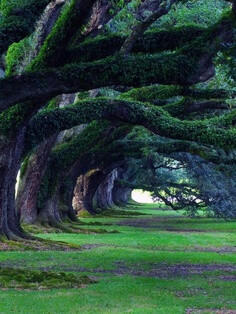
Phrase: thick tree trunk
(117, 192)
(104, 192)
(117, 195)
(66, 200)
(11, 154)
(85, 189)
(121, 195)
(71, 213)
(49, 215)
(126, 195)
(57, 210)
(101, 196)
(10, 159)
(30, 182)
(78, 194)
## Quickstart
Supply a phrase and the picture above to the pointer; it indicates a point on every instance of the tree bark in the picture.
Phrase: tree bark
(49, 215)
(10, 159)
(46, 23)
(66, 200)
(121, 195)
(85, 189)
(30, 182)
(104, 191)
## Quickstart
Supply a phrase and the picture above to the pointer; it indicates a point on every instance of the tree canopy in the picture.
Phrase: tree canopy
(99, 97)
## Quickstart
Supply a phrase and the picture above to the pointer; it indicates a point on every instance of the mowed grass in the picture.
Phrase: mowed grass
(160, 262)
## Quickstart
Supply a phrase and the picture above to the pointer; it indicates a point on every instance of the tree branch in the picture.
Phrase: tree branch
(155, 119)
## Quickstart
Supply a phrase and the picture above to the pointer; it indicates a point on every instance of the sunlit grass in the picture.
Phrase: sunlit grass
(166, 238)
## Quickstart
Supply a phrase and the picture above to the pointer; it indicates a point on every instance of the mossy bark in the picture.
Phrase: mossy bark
(30, 182)
(10, 159)
(66, 200)
(104, 192)
(86, 188)
(49, 215)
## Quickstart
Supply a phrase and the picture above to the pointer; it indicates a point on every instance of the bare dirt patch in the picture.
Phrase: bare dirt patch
(209, 311)
(225, 272)
(155, 222)
(173, 271)
(220, 250)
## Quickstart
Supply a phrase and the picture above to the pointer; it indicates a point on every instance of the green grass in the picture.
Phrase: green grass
(113, 295)
(163, 241)
(151, 239)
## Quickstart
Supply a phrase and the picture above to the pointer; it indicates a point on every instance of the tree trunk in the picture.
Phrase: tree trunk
(85, 189)
(121, 195)
(49, 215)
(126, 195)
(101, 196)
(104, 192)
(56, 210)
(30, 182)
(117, 195)
(10, 159)
(66, 200)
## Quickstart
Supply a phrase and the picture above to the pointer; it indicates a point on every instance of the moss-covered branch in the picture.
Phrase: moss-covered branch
(151, 42)
(155, 92)
(183, 108)
(71, 21)
(117, 70)
(153, 118)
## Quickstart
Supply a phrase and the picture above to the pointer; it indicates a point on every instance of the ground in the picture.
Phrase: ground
(157, 262)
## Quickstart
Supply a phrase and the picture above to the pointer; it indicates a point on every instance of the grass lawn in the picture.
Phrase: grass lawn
(157, 262)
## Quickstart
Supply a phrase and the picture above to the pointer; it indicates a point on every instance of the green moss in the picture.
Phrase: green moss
(163, 92)
(14, 54)
(52, 52)
(24, 166)
(150, 93)
(18, 21)
(156, 119)
(12, 119)
(54, 103)
(18, 55)
(66, 153)
(26, 279)
(151, 42)
(11, 7)
(84, 214)
(211, 40)
(168, 68)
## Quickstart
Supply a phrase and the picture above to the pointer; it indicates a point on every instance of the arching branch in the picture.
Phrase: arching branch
(155, 119)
